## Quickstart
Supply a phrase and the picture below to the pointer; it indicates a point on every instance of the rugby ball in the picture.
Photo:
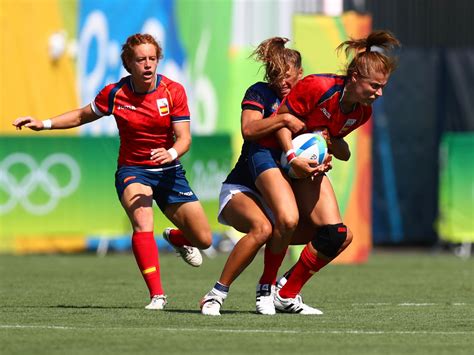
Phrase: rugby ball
(307, 145)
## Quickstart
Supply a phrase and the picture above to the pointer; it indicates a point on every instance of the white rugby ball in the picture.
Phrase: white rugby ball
(307, 145)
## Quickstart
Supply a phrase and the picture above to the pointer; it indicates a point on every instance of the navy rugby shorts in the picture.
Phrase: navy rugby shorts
(261, 159)
(169, 184)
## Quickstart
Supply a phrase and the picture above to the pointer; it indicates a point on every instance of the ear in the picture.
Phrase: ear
(300, 73)
(354, 77)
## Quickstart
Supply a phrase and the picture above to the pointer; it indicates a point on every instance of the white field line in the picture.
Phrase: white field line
(269, 331)
(408, 304)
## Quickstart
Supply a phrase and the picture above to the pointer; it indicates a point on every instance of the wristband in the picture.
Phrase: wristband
(290, 155)
(47, 124)
(173, 153)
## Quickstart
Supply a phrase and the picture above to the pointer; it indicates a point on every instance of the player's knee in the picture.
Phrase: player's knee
(142, 219)
(204, 239)
(330, 238)
(261, 232)
(348, 238)
(286, 223)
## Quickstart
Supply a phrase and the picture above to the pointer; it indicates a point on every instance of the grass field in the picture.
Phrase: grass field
(397, 303)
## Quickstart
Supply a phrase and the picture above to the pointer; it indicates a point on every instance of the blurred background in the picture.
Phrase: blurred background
(409, 183)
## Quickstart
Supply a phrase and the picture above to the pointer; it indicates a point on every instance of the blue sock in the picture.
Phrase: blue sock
(220, 290)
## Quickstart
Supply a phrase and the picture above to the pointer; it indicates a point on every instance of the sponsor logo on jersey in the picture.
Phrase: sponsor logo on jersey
(326, 113)
(163, 106)
(187, 193)
(349, 123)
(126, 107)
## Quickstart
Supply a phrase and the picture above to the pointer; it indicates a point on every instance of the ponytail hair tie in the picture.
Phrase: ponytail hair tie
(375, 49)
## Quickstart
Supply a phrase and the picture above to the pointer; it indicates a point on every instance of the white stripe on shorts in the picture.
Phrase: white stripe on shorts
(163, 169)
(229, 190)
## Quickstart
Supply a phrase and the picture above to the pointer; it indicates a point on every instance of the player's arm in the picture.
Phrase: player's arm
(182, 132)
(339, 148)
(301, 166)
(255, 127)
(181, 126)
(66, 120)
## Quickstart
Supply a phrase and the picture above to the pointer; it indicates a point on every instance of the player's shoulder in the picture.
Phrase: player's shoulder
(324, 80)
(123, 81)
(168, 83)
(262, 93)
(260, 86)
(117, 85)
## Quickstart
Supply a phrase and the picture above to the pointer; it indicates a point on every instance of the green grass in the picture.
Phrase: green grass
(397, 303)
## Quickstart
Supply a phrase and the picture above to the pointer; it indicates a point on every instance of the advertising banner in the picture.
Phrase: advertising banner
(456, 188)
(77, 52)
(63, 187)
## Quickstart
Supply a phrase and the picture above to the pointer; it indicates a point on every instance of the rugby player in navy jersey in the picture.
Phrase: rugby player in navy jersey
(241, 206)
(153, 121)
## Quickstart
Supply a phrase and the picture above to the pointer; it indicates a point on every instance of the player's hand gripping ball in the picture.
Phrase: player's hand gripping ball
(307, 145)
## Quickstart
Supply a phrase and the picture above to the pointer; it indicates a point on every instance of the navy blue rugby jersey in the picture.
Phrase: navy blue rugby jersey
(259, 97)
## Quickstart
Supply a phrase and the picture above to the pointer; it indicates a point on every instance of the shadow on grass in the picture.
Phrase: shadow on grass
(189, 311)
(75, 306)
(72, 306)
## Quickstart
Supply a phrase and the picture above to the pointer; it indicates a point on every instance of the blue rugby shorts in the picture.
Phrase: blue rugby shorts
(169, 184)
(261, 159)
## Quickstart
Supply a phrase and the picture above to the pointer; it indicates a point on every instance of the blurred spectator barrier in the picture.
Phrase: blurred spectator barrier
(456, 189)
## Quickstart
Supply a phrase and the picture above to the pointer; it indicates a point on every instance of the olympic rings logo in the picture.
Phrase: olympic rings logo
(38, 176)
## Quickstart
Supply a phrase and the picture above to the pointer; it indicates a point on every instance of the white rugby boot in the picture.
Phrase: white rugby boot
(281, 282)
(158, 302)
(190, 254)
(294, 305)
(264, 300)
(211, 304)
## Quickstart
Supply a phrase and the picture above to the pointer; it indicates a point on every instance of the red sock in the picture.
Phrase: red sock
(176, 237)
(146, 254)
(305, 267)
(271, 264)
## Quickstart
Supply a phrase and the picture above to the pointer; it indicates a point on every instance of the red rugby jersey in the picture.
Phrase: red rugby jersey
(315, 100)
(143, 120)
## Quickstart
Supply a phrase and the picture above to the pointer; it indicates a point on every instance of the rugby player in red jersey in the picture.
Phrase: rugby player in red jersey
(153, 121)
(310, 214)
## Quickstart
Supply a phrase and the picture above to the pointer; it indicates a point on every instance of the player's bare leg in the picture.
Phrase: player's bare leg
(245, 213)
(193, 231)
(137, 200)
(278, 194)
(321, 224)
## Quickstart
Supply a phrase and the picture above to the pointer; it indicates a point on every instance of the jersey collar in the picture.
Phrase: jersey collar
(157, 83)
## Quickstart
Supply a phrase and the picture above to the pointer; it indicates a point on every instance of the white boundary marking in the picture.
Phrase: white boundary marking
(409, 304)
(214, 330)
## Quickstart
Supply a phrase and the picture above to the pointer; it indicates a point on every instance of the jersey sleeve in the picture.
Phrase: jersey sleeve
(179, 109)
(101, 105)
(253, 100)
(304, 96)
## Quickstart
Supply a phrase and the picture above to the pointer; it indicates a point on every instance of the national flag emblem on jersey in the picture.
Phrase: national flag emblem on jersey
(349, 123)
(163, 106)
